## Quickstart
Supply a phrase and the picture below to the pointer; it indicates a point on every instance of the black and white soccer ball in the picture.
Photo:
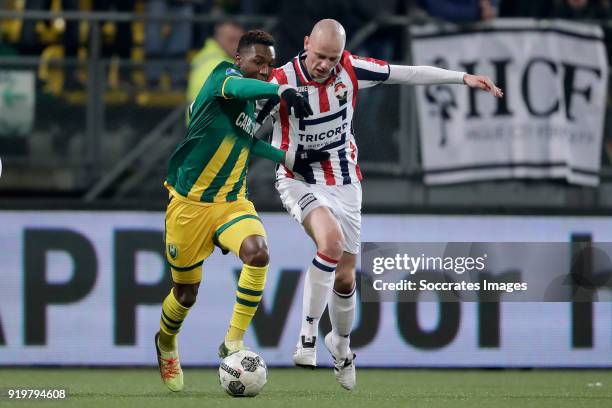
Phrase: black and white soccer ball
(243, 374)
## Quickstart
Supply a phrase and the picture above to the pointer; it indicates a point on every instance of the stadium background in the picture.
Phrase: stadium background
(81, 208)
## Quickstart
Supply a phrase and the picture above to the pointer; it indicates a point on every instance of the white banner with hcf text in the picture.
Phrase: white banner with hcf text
(549, 123)
(85, 288)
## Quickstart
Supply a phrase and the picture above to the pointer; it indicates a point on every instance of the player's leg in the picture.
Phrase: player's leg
(175, 308)
(254, 255)
(325, 231)
(309, 206)
(185, 256)
(342, 313)
(342, 303)
(244, 235)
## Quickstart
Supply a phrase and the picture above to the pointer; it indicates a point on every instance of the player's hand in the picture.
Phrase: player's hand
(295, 102)
(482, 82)
(299, 162)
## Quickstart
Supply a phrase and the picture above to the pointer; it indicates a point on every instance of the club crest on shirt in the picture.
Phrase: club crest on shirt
(340, 91)
(172, 251)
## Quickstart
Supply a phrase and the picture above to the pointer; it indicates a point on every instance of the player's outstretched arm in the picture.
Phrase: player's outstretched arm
(426, 75)
(247, 88)
(294, 161)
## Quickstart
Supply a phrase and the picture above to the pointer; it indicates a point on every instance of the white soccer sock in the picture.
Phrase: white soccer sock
(317, 287)
(342, 314)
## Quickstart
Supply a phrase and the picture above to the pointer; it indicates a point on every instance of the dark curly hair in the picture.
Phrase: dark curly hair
(255, 37)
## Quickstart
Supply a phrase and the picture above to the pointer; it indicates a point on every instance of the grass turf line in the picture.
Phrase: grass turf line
(289, 387)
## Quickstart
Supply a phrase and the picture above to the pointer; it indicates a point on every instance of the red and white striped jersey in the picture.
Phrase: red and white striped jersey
(330, 127)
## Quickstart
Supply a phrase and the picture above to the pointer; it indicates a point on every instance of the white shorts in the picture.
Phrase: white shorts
(344, 201)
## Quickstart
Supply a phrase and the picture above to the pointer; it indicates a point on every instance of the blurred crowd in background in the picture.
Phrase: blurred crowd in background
(192, 41)
(90, 108)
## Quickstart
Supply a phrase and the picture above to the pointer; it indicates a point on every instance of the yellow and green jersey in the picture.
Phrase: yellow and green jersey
(210, 164)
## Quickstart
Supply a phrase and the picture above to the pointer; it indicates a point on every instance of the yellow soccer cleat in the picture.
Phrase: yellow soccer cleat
(169, 367)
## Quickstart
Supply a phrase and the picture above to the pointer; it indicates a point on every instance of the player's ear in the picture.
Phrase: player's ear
(238, 60)
(306, 43)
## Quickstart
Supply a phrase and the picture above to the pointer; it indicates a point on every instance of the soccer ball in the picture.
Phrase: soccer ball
(243, 374)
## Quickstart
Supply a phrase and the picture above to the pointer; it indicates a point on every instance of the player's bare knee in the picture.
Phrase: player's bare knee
(186, 295)
(332, 245)
(344, 283)
(257, 257)
(254, 251)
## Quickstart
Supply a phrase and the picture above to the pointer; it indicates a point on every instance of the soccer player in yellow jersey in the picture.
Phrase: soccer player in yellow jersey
(207, 184)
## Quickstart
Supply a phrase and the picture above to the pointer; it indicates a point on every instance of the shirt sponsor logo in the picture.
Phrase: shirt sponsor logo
(323, 131)
(246, 123)
(331, 134)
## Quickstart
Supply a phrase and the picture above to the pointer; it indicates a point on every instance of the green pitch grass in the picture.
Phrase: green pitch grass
(304, 388)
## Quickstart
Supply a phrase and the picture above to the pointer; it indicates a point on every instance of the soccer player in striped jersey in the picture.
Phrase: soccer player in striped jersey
(208, 194)
(326, 200)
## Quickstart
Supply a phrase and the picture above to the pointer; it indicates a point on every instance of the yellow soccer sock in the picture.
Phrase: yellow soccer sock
(250, 289)
(172, 316)
(234, 334)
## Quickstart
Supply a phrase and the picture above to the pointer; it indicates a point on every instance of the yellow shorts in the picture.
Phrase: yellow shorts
(193, 229)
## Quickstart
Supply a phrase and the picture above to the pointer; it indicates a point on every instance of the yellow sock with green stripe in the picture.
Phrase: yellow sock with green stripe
(172, 316)
(250, 289)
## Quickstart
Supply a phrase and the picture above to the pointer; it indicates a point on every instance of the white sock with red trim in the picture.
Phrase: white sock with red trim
(342, 314)
(317, 287)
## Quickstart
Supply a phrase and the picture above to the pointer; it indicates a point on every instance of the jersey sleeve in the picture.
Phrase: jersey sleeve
(369, 71)
(230, 84)
(267, 151)
(246, 88)
(423, 75)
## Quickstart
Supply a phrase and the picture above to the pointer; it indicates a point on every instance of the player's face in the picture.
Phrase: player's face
(256, 61)
(322, 55)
